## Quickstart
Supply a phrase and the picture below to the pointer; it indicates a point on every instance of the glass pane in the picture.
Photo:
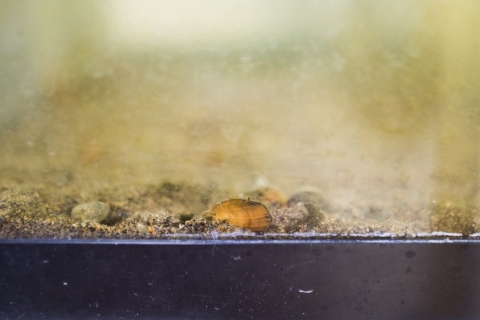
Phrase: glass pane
(343, 118)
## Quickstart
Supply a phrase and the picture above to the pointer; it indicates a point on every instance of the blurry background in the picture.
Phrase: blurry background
(373, 103)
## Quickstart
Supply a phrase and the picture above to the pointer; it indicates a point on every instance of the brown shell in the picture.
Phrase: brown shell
(243, 213)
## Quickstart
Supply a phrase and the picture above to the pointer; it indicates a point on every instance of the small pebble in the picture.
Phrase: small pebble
(309, 196)
(315, 212)
(94, 211)
(141, 228)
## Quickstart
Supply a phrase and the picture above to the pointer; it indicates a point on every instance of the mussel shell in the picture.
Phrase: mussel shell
(243, 213)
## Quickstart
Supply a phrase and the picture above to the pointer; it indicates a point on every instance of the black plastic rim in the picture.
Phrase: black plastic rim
(239, 279)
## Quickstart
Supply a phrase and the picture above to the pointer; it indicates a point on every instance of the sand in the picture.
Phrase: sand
(173, 210)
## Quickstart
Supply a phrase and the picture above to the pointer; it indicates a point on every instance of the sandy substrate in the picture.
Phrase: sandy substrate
(174, 211)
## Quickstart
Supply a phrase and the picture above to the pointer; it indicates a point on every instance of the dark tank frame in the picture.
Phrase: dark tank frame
(239, 279)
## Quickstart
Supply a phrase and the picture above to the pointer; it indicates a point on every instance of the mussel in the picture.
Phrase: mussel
(242, 213)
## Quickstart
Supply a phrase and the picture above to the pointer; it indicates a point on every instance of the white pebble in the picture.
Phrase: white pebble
(94, 211)
(142, 229)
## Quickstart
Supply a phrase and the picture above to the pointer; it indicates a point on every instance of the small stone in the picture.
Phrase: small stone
(94, 211)
(185, 217)
(152, 230)
(315, 213)
(309, 196)
(83, 224)
(268, 195)
(142, 229)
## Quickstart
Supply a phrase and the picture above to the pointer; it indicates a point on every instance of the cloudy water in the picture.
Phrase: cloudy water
(375, 106)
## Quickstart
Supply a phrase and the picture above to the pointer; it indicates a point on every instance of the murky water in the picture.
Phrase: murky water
(373, 105)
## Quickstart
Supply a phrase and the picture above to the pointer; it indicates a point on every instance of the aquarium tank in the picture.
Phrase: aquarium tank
(244, 119)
